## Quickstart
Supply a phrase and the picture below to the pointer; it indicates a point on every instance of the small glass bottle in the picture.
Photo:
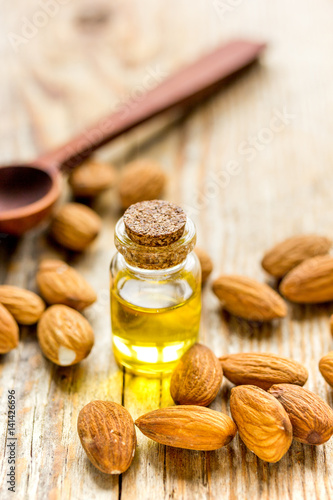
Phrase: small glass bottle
(155, 288)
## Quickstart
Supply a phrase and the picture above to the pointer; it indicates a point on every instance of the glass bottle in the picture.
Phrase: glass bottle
(155, 288)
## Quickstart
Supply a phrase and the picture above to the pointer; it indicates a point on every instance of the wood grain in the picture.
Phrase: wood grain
(248, 178)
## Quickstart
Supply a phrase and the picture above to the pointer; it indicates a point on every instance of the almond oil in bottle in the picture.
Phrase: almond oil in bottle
(155, 288)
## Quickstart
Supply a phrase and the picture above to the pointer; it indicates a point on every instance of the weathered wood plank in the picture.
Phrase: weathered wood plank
(274, 124)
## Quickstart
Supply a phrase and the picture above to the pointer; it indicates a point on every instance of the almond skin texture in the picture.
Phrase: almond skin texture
(262, 422)
(64, 335)
(311, 282)
(24, 305)
(205, 263)
(92, 178)
(262, 369)
(197, 378)
(289, 253)
(326, 368)
(9, 331)
(310, 416)
(249, 299)
(107, 434)
(188, 427)
(141, 180)
(62, 284)
(75, 226)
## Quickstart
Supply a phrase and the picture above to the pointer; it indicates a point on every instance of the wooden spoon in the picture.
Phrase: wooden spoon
(28, 192)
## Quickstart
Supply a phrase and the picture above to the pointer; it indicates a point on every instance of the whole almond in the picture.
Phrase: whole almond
(107, 434)
(205, 263)
(64, 335)
(289, 253)
(91, 178)
(188, 427)
(311, 282)
(9, 331)
(24, 305)
(326, 368)
(197, 378)
(249, 299)
(75, 226)
(141, 180)
(262, 369)
(262, 422)
(310, 416)
(60, 283)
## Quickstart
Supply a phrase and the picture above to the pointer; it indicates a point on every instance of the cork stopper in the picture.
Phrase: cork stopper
(154, 223)
(154, 235)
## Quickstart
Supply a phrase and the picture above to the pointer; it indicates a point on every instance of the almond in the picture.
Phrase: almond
(262, 422)
(141, 180)
(107, 434)
(188, 427)
(205, 263)
(326, 368)
(9, 331)
(197, 378)
(60, 283)
(249, 299)
(262, 369)
(91, 178)
(24, 305)
(289, 253)
(310, 416)
(311, 282)
(75, 226)
(64, 335)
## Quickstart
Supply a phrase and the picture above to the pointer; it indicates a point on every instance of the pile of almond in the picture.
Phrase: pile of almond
(306, 270)
(269, 408)
(64, 335)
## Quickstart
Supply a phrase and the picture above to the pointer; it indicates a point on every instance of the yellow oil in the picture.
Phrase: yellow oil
(153, 323)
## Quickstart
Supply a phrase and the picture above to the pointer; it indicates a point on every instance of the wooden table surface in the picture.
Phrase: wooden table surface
(251, 166)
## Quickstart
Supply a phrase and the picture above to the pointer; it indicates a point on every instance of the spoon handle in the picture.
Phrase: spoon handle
(190, 84)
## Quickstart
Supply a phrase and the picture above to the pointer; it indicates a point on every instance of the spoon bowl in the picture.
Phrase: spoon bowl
(27, 195)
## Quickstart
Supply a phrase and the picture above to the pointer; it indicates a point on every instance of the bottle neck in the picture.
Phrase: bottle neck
(151, 273)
